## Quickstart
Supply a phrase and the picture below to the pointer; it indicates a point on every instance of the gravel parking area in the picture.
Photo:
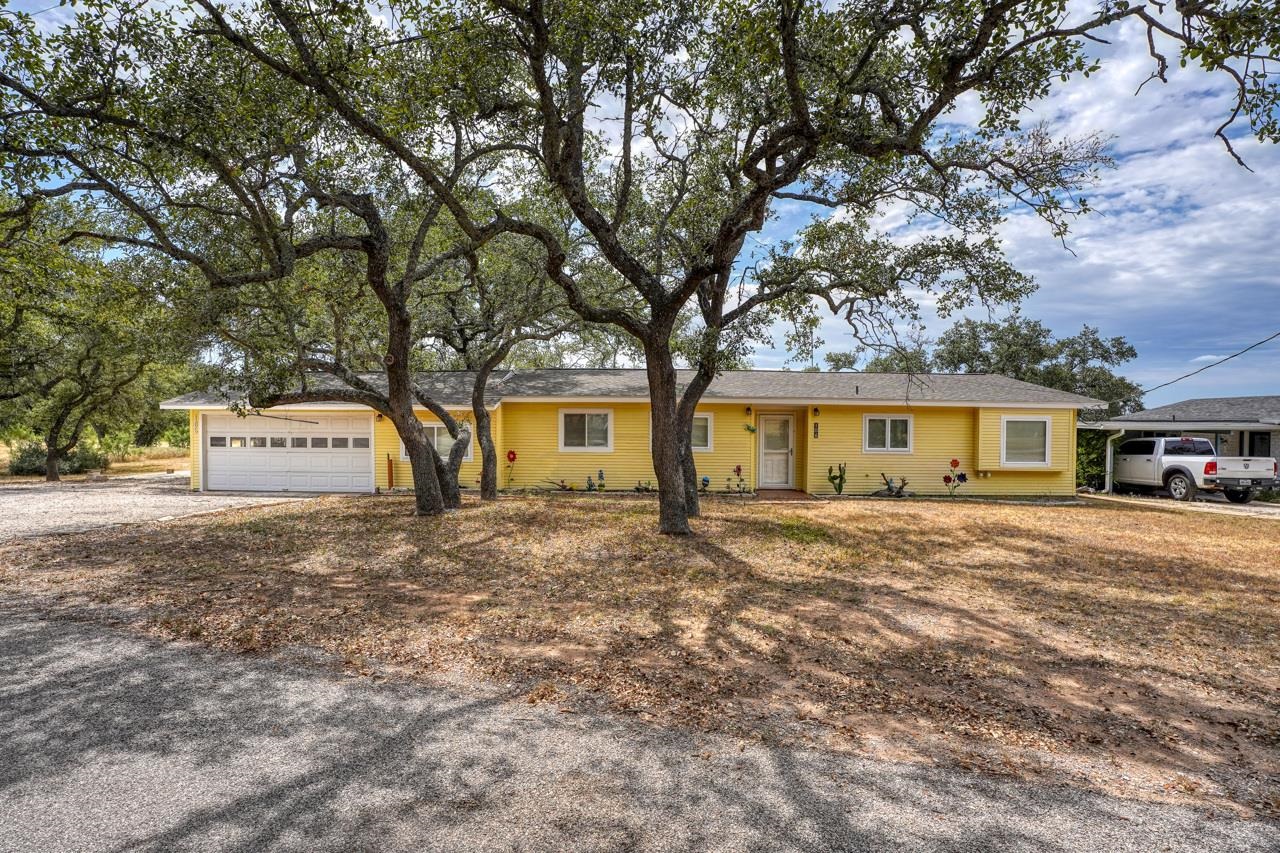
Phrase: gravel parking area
(109, 742)
(37, 509)
(1204, 502)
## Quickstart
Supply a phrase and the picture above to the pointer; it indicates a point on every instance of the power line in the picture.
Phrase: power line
(1214, 364)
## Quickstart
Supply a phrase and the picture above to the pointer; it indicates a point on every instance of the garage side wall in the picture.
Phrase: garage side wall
(196, 444)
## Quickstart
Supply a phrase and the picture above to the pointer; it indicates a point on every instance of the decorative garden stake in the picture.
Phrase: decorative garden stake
(511, 465)
(600, 480)
(955, 478)
(706, 484)
(837, 479)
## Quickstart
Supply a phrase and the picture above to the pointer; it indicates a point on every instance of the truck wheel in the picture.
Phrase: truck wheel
(1239, 496)
(1182, 487)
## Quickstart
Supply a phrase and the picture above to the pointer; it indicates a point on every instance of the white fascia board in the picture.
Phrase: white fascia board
(337, 407)
(854, 402)
(1184, 426)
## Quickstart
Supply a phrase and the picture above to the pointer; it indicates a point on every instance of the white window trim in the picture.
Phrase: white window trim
(608, 448)
(888, 416)
(711, 433)
(467, 457)
(1048, 440)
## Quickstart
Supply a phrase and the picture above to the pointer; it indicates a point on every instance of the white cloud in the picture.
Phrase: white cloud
(1180, 255)
(1203, 359)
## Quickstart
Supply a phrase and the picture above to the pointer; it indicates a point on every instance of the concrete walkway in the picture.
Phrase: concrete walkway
(111, 743)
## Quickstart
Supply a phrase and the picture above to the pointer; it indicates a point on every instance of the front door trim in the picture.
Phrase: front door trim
(791, 450)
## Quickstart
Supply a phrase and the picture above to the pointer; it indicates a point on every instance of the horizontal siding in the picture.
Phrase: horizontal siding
(197, 443)
(386, 445)
(533, 431)
(940, 435)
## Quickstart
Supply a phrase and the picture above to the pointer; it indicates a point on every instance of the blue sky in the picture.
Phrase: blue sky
(1182, 253)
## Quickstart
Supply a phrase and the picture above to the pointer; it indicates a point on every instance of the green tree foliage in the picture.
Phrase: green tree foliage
(1028, 350)
(86, 343)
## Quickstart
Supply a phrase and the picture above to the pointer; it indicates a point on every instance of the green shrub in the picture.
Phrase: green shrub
(1091, 458)
(178, 435)
(118, 444)
(1271, 496)
(29, 457)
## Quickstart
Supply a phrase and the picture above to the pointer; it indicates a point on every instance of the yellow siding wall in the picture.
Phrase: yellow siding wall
(939, 435)
(196, 443)
(533, 431)
(386, 442)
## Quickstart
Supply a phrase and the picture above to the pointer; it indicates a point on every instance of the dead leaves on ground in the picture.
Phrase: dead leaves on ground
(1122, 648)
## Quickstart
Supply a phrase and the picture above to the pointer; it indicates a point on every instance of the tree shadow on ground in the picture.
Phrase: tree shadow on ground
(1044, 642)
(112, 743)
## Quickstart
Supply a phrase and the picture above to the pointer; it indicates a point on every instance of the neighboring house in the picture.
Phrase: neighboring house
(782, 429)
(1238, 426)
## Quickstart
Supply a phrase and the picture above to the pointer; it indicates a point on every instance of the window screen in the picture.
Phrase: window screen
(888, 433)
(586, 429)
(701, 432)
(1026, 441)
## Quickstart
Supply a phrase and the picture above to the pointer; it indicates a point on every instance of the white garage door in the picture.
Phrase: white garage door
(294, 453)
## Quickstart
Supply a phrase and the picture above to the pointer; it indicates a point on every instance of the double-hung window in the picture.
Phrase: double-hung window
(886, 433)
(440, 439)
(1025, 440)
(586, 430)
(702, 435)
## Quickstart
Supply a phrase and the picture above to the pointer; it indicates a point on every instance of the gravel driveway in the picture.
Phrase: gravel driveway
(35, 509)
(109, 742)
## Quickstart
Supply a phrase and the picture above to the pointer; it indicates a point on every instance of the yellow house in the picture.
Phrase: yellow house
(754, 430)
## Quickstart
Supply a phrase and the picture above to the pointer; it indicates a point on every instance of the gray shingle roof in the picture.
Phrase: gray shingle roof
(453, 388)
(1213, 409)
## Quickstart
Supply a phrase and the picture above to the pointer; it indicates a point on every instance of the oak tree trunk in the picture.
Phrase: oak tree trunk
(673, 517)
(427, 495)
(488, 453)
(51, 459)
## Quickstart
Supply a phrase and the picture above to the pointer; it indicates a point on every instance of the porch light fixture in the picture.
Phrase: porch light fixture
(748, 411)
(815, 411)
(378, 418)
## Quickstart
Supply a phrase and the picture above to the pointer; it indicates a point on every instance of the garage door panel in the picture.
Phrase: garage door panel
(293, 454)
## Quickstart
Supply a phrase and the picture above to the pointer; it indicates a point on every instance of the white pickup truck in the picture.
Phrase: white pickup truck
(1187, 465)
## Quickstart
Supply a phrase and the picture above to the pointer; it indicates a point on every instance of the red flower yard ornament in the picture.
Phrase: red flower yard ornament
(511, 466)
(955, 478)
(955, 463)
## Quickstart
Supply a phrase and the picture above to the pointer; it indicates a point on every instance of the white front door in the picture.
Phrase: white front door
(289, 453)
(777, 450)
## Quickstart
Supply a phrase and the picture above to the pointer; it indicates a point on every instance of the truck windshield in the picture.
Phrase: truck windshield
(1188, 447)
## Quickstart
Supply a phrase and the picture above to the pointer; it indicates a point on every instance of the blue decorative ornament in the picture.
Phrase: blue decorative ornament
(706, 481)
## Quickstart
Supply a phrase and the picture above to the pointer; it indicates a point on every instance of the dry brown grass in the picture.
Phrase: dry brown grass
(1125, 649)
